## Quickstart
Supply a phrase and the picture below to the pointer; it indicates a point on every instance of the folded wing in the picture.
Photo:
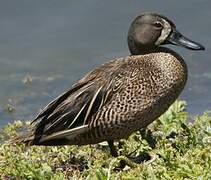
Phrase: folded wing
(71, 113)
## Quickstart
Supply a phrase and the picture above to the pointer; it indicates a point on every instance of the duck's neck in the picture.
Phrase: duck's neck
(139, 49)
(136, 49)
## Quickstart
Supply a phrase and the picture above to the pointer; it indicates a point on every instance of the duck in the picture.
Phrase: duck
(121, 96)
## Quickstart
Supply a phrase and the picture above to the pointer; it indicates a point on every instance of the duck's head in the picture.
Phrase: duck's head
(149, 30)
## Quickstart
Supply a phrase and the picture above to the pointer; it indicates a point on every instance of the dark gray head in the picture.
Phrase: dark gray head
(148, 31)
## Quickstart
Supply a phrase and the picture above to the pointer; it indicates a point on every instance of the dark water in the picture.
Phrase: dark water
(56, 42)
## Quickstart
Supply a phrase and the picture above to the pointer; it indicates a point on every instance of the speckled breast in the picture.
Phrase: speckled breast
(147, 85)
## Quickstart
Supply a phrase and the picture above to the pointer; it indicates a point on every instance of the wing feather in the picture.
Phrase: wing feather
(53, 104)
(91, 104)
(66, 134)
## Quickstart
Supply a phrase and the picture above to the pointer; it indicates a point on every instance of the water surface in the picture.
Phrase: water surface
(57, 42)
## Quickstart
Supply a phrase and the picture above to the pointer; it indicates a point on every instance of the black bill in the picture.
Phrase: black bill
(177, 38)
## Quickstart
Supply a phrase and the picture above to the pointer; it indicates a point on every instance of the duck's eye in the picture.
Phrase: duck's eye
(158, 25)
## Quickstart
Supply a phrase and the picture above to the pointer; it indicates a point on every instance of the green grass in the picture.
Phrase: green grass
(178, 150)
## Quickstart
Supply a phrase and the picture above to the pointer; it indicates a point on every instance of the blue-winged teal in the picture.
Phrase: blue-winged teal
(121, 96)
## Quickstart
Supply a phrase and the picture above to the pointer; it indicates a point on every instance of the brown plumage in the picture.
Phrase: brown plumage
(121, 96)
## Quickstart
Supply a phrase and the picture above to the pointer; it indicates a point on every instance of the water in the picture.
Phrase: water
(57, 42)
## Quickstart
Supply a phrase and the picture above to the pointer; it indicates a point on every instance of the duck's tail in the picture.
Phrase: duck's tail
(25, 138)
(65, 137)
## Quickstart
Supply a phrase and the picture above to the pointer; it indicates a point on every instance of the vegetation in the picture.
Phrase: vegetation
(173, 147)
